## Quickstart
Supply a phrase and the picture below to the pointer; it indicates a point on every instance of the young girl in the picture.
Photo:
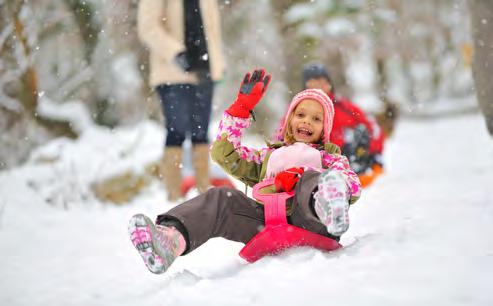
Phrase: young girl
(323, 193)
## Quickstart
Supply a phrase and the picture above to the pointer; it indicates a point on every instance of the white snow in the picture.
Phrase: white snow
(75, 112)
(303, 11)
(339, 26)
(125, 75)
(420, 235)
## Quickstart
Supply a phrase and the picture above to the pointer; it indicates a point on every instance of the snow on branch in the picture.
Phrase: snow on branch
(6, 101)
(5, 34)
(73, 111)
(9, 103)
(73, 83)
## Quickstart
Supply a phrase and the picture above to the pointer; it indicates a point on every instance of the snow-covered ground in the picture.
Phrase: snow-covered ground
(420, 235)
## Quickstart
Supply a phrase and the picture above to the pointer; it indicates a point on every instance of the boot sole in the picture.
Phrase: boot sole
(336, 212)
(152, 255)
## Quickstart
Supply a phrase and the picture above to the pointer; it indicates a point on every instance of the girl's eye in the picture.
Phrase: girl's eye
(317, 119)
(299, 115)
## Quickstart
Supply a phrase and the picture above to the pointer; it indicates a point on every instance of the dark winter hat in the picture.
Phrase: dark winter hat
(315, 70)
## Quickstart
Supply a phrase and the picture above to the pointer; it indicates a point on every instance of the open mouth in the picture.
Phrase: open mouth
(304, 132)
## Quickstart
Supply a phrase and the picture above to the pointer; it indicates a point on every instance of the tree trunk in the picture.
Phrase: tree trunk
(482, 25)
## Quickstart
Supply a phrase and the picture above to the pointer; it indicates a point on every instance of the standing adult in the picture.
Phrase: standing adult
(185, 49)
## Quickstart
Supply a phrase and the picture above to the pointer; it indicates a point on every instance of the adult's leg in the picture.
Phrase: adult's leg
(175, 105)
(200, 110)
(219, 212)
(200, 106)
(173, 98)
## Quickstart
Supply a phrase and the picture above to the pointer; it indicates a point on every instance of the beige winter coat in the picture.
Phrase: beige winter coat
(161, 28)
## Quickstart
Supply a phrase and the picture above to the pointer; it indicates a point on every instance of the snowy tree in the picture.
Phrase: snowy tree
(482, 21)
(23, 126)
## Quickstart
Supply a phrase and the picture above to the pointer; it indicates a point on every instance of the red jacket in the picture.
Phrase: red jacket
(348, 115)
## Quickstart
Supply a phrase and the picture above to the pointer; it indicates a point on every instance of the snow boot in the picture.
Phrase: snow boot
(171, 171)
(332, 203)
(158, 245)
(201, 166)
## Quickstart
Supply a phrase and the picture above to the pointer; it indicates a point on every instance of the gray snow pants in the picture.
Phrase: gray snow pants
(229, 213)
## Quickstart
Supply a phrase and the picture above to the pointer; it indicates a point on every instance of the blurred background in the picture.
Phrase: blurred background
(61, 59)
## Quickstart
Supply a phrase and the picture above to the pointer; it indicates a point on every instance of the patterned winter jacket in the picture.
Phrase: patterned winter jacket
(250, 165)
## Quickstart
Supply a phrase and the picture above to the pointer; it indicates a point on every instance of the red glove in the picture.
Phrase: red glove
(287, 179)
(251, 91)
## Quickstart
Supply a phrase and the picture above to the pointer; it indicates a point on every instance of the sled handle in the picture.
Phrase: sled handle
(274, 203)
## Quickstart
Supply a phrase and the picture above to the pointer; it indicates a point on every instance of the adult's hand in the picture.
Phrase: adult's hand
(182, 60)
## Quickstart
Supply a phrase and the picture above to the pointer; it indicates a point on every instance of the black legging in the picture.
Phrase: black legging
(187, 110)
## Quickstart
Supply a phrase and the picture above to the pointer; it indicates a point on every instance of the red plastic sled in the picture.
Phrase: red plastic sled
(189, 182)
(278, 235)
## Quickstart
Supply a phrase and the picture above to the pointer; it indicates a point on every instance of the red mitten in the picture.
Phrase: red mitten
(287, 179)
(251, 91)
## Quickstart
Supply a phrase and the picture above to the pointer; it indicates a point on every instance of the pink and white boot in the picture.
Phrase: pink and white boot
(158, 245)
(332, 202)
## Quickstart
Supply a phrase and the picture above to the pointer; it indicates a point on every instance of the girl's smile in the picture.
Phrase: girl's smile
(307, 121)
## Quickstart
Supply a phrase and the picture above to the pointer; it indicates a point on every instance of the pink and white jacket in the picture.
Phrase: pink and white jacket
(253, 165)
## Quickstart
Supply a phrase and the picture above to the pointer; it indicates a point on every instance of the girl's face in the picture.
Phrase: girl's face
(307, 121)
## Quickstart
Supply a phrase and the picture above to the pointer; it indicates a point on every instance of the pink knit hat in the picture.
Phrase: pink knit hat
(313, 94)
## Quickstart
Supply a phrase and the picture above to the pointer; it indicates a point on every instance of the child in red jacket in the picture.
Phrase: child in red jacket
(358, 135)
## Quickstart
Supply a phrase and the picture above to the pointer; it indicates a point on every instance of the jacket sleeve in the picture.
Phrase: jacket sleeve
(150, 26)
(339, 163)
(241, 162)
